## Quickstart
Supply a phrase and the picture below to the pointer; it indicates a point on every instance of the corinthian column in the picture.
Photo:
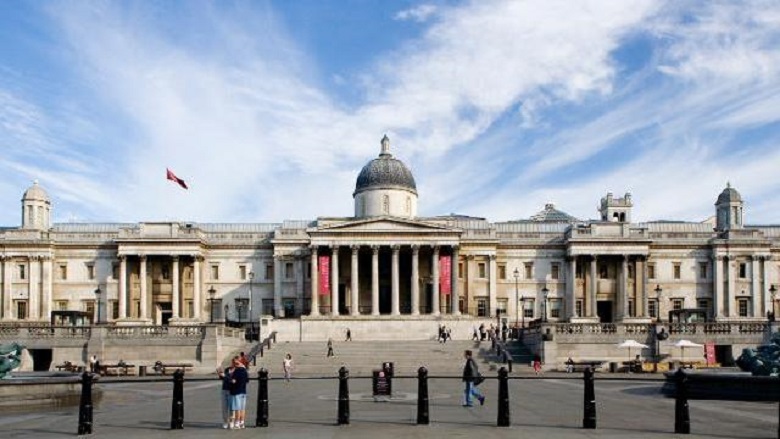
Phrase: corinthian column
(455, 305)
(144, 295)
(196, 288)
(415, 280)
(592, 310)
(435, 278)
(34, 288)
(375, 280)
(395, 290)
(334, 281)
(123, 287)
(354, 296)
(315, 284)
(175, 299)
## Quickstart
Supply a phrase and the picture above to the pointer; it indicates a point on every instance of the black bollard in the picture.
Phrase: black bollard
(423, 415)
(503, 398)
(509, 363)
(682, 418)
(261, 350)
(589, 413)
(85, 405)
(177, 404)
(262, 398)
(343, 416)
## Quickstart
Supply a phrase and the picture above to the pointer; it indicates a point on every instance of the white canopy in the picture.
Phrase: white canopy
(687, 344)
(632, 344)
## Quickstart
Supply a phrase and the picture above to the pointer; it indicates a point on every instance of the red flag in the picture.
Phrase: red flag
(172, 177)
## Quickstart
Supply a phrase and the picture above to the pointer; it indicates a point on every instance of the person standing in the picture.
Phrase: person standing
(537, 364)
(238, 381)
(472, 378)
(287, 367)
(349, 335)
(224, 375)
(92, 362)
(330, 348)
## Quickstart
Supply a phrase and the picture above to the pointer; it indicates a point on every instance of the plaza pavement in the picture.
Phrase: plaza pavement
(304, 408)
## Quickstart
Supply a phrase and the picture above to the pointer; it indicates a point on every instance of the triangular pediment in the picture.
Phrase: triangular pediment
(383, 225)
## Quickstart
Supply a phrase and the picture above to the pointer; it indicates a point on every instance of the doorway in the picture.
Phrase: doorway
(41, 359)
(384, 299)
(604, 310)
(428, 308)
(343, 308)
(166, 312)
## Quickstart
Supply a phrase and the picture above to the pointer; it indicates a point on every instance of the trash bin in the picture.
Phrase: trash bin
(380, 383)
(613, 367)
(141, 371)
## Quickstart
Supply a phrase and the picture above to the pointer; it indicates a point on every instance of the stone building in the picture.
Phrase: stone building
(386, 263)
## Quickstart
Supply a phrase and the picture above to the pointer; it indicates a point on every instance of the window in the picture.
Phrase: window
(630, 271)
(91, 271)
(242, 309)
(578, 307)
(89, 308)
(702, 270)
(501, 306)
(481, 307)
(555, 308)
(61, 305)
(502, 272)
(63, 271)
(165, 272)
(652, 308)
(742, 270)
(289, 270)
(677, 304)
(269, 272)
(651, 271)
(580, 272)
(743, 305)
(386, 204)
(555, 271)
(481, 270)
(22, 272)
(190, 307)
(529, 270)
(215, 272)
(115, 271)
(460, 270)
(704, 304)
(631, 308)
(242, 272)
(21, 309)
(603, 271)
(528, 308)
(677, 270)
(114, 307)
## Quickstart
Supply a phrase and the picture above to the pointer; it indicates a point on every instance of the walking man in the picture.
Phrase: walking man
(330, 348)
(472, 378)
(349, 335)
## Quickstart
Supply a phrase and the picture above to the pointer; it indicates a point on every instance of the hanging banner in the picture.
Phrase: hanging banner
(445, 274)
(709, 352)
(323, 271)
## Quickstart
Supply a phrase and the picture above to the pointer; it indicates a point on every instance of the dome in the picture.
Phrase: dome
(729, 195)
(551, 214)
(385, 172)
(35, 192)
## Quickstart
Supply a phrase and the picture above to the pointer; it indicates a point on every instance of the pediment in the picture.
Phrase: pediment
(384, 225)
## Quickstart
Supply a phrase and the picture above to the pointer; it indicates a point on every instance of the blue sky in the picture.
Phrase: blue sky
(269, 109)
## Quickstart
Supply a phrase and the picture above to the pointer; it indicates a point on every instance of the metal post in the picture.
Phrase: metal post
(423, 414)
(85, 406)
(777, 388)
(262, 398)
(503, 398)
(177, 405)
(343, 415)
(682, 419)
(589, 414)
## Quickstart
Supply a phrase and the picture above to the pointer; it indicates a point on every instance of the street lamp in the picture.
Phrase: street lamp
(545, 293)
(517, 277)
(659, 335)
(211, 292)
(771, 312)
(658, 291)
(97, 297)
(251, 278)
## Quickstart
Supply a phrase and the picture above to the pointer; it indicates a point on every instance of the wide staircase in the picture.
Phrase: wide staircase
(362, 357)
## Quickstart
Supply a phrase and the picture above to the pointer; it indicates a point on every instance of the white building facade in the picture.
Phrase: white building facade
(386, 262)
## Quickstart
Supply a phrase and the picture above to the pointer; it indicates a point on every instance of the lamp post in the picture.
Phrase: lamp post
(97, 304)
(517, 302)
(211, 292)
(251, 279)
(658, 291)
(545, 293)
(659, 335)
(771, 312)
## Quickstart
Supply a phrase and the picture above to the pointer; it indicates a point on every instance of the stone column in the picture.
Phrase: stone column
(395, 283)
(315, 283)
(755, 291)
(354, 294)
(454, 282)
(645, 292)
(122, 287)
(571, 288)
(175, 299)
(375, 280)
(196, 288)
(436, 305)
(278, 275)
(144, 286)
(34, 288)
(592, 308)
(623, 288)
(334, 281)
(7, 267)
(48, 290)
(415, 280)
(717, 286)
(768, 305)
(300, 280)
(728, 298)
(492, 285)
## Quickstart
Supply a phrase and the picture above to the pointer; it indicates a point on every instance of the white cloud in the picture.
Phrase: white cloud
(420, 13)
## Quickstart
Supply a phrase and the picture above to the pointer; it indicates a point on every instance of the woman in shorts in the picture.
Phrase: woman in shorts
(238, 381)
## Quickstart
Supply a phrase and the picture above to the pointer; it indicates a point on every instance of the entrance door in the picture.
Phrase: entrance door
(428, 299)
(384, 299)
(166, 312)
(343, 309)
(604, 310)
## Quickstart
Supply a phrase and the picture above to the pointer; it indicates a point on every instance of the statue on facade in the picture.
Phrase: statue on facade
(764, 360)
(10, 358)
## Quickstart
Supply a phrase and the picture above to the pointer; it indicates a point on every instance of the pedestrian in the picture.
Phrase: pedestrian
(224, 375)
(330, 348)
(569, 365)
(92, 362)
(475, 334)
(448, 334)
(349, 335)
(244, 359)
(238, 381)
(482, 332)
(441, 334)
(472, 378)
(537, 364)
(504, 331)
(287, 365)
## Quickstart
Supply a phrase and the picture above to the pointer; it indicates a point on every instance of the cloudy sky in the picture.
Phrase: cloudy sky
(270, 109)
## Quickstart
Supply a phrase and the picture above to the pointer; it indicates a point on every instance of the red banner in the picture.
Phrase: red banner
(709, 352)
(323, 270)
(445, 274)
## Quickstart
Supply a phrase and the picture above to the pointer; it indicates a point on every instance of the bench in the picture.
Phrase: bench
(120, 368)
(69, 367)
(163, 368)
(580, 366)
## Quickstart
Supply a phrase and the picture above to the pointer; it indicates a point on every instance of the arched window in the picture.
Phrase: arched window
(386, 204)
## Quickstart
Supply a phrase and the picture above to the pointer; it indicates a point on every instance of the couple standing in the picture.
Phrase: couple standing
(234, 381)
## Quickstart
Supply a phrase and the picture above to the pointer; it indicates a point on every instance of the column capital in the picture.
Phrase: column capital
(436, 248)
(469, 257)
(313, 249)
(334, 247)
(415, 248)
(142, 257)
(455, 248)
(396, 248)
(122, 258)
(492, 257)
(375, 249)
(355, 248)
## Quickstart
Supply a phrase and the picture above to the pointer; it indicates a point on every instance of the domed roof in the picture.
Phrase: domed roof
(35, 192)
(551, 214)
(729, 195)
(385, 172)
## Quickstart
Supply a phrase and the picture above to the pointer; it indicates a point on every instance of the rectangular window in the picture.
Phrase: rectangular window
(22, 272)
(702, 270)
(269, 272)
(677, 270)
(165, 272)
(91, 271)
(603, 271)
(651, 271)
(528, 308)
(502, 272)
(529, 270)
(89, 308)
(555, 308)
(742, 270)
(63, 271)
(501, 306)
(580, 272)
(631, 308)
(460, 270)
(744, 307)
(704, 304)
(115, 271)
(21, 309)
(62, 305)
(578, 307)
(114, 306)
(190, 307)
(215, 272)
(242, 272)
(289, 270)
(481, 270)
(630, 271)
(481, 307)
(652, 308)
(555, 271)
(677, 304)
